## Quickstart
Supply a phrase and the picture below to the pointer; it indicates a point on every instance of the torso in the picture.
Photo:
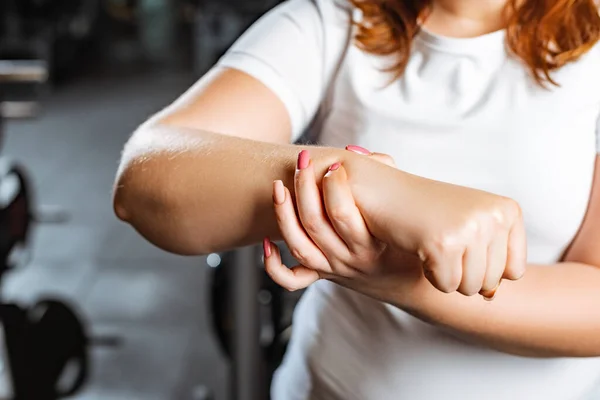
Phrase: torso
(464, 112)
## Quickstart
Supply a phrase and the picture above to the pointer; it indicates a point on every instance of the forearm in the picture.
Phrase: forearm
(193, 192)
(554, 311)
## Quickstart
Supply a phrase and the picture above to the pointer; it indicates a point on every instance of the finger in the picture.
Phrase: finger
(358, 150)
(444, 274)
(380, 157)
(345, 217)
(496, 262)
(311, 212)
(489, 295)
(474, 270)
(300, 245)
(383, 158)
(517, 251)
(296, 278)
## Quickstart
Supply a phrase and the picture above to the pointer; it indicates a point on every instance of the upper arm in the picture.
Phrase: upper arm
(586, 246)
(231, 102)
(268, 86)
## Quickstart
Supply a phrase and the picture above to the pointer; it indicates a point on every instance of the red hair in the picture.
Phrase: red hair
(544, 34)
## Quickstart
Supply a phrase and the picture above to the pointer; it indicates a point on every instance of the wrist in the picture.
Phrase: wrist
(323, 157)
(408, 280)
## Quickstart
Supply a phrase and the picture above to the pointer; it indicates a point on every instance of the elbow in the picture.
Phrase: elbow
(127, 197)
(145, 203)
(146, 196)
(120, 207)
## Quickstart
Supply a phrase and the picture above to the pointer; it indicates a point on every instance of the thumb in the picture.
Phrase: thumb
(379, 157)
(383, 158)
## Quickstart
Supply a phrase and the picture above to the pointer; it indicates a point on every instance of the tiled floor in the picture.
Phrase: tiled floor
(154, 302)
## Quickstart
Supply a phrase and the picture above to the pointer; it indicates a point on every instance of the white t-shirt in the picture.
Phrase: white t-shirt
(464, 112)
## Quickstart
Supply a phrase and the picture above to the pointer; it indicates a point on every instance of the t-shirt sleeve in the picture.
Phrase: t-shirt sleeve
(285, 50)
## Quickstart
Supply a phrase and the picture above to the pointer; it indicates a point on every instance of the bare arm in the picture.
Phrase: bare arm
(551, 312)
(554, 311)
(197, 178)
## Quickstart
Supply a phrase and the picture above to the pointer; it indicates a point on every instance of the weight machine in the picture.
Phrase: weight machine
(251, 318)
(43, 347)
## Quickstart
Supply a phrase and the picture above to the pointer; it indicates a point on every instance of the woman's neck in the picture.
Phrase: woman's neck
(466, 18)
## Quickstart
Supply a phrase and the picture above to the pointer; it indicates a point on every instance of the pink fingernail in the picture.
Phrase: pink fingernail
(303, 159)
(335, 167)
(358, 150)
(267, 247)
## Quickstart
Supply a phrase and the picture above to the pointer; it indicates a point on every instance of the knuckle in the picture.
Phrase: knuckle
(430, 263)
(425, 255)
(451, 280)
(513, 206)
(444, 244)
(490, 285)
(312, 223)
(340, 214)
(300, 256)
(269, 270)
(469, 289)
(444, 282)
(388, 159)
(362, 260)
(498, 218)
(302, 178)
(291, 287)
(511, 210)
(475, 229)
(446, 287)
(280, 217)
(454, 281)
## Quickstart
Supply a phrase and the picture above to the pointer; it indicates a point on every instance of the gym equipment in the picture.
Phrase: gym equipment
(276, 306)
(48, 340)
(15, 213)
(21, 84)
(16, 203)
(251, 317)
(46, 350)
(43, 348)
(270, 299)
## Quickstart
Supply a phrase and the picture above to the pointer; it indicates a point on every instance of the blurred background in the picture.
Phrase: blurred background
(88, 307)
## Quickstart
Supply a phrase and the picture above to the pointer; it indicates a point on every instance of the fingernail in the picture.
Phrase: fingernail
(358, 150)
(267, 247)
(303, 159)
(489, 295)
(486, 298)
(278, 193)
(334, 167)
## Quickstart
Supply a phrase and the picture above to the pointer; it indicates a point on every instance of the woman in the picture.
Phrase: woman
(489, 110)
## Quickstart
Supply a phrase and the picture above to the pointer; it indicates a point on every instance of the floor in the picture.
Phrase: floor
(153, 301)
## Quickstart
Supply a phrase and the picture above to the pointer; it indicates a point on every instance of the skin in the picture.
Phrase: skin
(551, 312)
(221, 197)
(194, 180)
(466, 18)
